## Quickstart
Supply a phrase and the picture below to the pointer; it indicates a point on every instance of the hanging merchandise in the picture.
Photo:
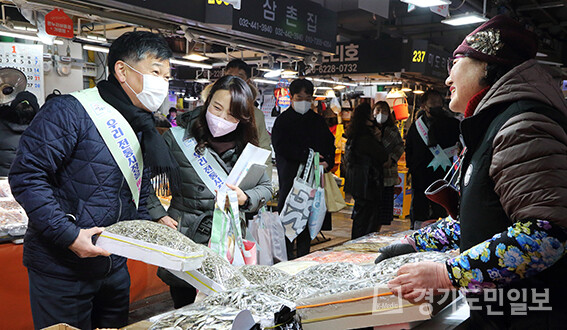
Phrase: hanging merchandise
(283, 97)
(401, 109)
(335, 105)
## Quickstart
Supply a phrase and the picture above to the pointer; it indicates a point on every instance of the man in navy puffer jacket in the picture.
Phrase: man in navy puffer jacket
(68, 180)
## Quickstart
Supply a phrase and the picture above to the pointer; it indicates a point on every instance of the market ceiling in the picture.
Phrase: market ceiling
(211, 31)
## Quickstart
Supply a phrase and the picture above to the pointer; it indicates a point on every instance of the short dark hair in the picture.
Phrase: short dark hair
(299, 85)
(240, 65)
(430, 94)
(241, 108)
(172, 109)
(136, 46)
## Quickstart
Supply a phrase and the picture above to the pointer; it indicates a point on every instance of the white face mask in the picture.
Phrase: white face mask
(301, 107)
(381, 118)
(153, 92)
(219, 126)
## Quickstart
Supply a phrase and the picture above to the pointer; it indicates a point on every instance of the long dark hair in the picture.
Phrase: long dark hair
(241, 108)
(384, 105)
(359, 122)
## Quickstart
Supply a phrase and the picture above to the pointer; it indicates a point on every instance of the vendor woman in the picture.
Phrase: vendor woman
(512, 223)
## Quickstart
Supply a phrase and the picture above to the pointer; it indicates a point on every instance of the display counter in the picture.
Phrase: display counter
(15, 312)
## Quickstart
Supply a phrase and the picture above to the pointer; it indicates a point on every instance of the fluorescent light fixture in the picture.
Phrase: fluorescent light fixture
(27, 37)
(92, 38)
(418, 90)
(202, 81)
(464, 19)
(395, 94)
(96, 48)
(538, 54)
(328, 81)
(339, 87)
(265, 81)
(273, 73)
(191, 64)
(323, 87)
(406, 88)
(381, 83)
(195, 57)
(25, 28)
(427, 3)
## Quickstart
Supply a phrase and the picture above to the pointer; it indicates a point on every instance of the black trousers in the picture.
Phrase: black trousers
(85, 304)
(365, 216)
(303, 243)
(182, 295)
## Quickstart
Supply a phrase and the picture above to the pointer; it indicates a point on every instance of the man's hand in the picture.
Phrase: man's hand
(83, 244)
(415, 279)
(168, 221)
(242, 197)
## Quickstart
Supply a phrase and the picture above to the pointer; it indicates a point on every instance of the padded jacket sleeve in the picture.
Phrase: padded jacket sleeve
(44, 147)
(529, 168)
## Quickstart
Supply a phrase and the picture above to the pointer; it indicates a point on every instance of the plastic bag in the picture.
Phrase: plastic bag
(335, 105)
(269, 233)
(319, 207)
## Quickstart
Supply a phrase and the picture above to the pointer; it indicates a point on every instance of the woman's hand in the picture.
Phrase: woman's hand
(242, 197)
(416, 280)
(168, 221)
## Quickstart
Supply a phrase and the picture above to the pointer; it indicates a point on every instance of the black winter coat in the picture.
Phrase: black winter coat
(365, 168)
(10, 134)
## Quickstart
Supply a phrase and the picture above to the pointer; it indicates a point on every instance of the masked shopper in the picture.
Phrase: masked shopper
(295, 131)
(394, 146)
(511, 228)
(220, 133)
(85, 163)
(365, 156)
(431, 144)
(14, 120)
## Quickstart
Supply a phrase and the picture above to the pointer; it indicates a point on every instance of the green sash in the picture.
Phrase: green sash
(118, 136)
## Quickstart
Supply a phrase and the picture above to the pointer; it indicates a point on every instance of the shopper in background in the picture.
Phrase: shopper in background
(172, 117)
(223, 129)
(435, 130)
(14, 119)
(512, 229)
(239, 68)
(295, 131)
(66, 177)
(394, 145)
(364, 180)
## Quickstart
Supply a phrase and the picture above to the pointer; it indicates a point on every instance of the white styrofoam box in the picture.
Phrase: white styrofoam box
(149, 253)
(199, 281)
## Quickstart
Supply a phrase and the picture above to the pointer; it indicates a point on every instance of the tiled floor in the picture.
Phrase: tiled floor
(342, 225)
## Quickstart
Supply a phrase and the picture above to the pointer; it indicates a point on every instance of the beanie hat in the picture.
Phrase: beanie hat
(28, 97)
(500, 40)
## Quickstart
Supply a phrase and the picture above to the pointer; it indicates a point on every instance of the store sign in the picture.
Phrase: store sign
(303, 22)
(57, 23)
(189, 9)
(425, 58)
(361, 56)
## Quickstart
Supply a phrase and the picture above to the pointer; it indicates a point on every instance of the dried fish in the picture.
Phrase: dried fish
(325, 274)
(221, 271)
(155, 233)
(291, 289)
(198, 317)
(362, 247)
(261, 304)
(386, 270)
(261, 274)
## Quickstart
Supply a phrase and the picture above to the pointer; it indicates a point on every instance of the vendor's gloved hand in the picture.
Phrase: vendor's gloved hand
(396, 249)
(415, 279)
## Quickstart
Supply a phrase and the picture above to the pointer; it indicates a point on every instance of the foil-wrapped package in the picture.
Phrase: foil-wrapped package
(198, 317)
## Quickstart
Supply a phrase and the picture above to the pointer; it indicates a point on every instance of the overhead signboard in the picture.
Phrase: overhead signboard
(57, 23)
(427, 59)
(303, 22)
(363, 56)
(189, 9)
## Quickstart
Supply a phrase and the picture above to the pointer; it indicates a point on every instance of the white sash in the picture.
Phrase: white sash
(118, 136)
(440, 155)
(207, 167)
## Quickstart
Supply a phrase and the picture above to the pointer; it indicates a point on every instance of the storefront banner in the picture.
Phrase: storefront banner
(303, 22)
(423, 57)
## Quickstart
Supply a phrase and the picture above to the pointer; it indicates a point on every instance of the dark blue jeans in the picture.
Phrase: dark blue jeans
(85, 304)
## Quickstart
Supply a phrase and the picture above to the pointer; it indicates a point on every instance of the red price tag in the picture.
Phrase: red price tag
(57, 23)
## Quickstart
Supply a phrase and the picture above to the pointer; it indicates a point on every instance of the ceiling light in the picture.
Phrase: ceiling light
(427, 3)
(273, 73)
(339, 87)
(418, 90)
(330, 93)
(406, 88)
(202, 81)
(27, 37)
(323, 87)
(395, 94)
(538, 54)
(381, 83)
(25, 28)
(464, 19)
(191, 64)
(195, 57)
(265, 81)
(96, 48)
(92, 38)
